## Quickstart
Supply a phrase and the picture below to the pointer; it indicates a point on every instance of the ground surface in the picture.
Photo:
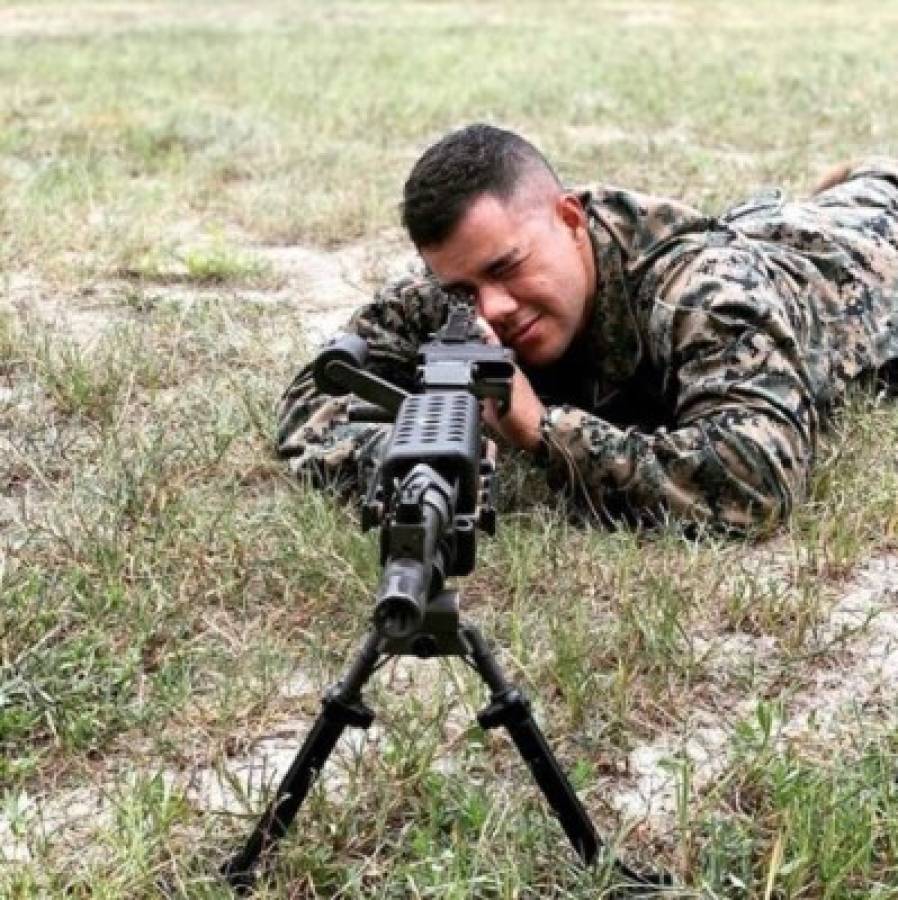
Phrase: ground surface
(192, 197)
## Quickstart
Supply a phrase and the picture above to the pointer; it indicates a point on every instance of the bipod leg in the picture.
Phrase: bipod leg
(510, 708)
(342, 705)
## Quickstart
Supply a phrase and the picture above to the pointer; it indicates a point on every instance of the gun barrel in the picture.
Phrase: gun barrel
(414, 552)
(401, 598)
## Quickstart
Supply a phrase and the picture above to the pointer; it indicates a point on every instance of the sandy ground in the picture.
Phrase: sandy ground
(323, 287)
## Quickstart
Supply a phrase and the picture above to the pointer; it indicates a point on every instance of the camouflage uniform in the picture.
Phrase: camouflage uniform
(716, 348)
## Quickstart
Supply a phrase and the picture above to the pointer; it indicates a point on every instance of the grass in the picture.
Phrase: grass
(268, 129)
(829, 827)
(163, 581)
(213, 263)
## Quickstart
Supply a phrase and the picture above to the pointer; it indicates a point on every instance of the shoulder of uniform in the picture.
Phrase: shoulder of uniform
(639, 222)
(414, 280)
(412, 302)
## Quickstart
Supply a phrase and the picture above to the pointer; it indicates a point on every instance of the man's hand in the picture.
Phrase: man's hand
(519, 427)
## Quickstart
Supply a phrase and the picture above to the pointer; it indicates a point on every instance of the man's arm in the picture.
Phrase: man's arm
(745, 420)
(314, 435)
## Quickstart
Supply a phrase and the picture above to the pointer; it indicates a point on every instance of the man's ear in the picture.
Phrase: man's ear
(570, 211)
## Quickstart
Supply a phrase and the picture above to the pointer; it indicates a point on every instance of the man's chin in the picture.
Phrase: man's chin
(538, 356)
(537, 347)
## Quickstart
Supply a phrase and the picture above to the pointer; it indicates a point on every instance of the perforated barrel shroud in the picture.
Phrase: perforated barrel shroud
(441, 429)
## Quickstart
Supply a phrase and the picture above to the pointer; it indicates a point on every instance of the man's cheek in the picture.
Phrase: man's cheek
(528, 289)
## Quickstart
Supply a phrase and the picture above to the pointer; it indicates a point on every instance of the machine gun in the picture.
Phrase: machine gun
(434, 487)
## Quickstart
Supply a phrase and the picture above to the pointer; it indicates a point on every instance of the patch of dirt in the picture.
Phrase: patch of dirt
(649, 792)
(327, 286)
(35, 301)
(65, 818)
(236, 784)
(18, 509)
(323, 286)
(864, 623)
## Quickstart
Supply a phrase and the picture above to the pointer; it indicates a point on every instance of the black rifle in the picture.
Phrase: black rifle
(435, 485)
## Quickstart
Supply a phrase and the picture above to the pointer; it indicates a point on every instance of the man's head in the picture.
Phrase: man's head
(488, 215)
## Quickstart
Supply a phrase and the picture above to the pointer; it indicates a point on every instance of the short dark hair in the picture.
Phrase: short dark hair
(451, 174)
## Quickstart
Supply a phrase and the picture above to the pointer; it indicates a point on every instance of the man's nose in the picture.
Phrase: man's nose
(496, 303)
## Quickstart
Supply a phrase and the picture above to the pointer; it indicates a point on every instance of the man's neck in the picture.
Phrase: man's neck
(590, 263)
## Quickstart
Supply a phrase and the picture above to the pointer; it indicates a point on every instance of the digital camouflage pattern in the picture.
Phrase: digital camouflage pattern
(717, 348)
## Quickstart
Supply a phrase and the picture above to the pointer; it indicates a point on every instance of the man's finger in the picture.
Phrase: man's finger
(487, 332)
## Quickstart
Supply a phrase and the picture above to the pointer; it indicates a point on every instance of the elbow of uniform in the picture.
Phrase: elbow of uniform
(768, 504)
(280, 446)
(761, 514)
(762, 476)
(282, 431)
(293, 410)
(288, 437)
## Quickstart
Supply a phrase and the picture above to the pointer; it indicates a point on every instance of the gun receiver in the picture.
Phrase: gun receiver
(459, 359)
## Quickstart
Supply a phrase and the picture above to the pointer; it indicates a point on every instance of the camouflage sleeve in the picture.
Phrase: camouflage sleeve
(745, 426)
(870, 182)
(314, 435)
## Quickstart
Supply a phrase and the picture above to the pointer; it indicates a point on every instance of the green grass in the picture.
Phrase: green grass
(162, 579)
(784, 821)
(302, 127)
(214, 263)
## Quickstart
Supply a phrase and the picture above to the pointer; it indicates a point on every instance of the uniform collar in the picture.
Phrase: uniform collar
(612, 338)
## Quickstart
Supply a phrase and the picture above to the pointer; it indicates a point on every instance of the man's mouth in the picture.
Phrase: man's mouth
(522, 332)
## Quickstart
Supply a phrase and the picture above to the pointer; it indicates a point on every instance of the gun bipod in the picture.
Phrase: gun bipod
(441, 634)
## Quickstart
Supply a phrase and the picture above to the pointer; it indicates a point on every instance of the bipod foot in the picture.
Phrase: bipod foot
(242, 881)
